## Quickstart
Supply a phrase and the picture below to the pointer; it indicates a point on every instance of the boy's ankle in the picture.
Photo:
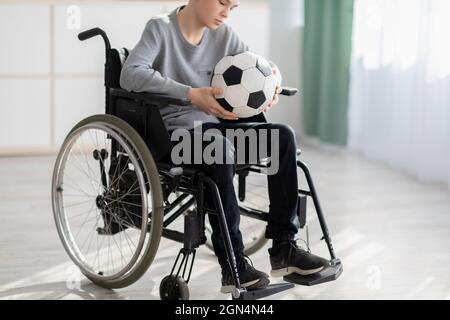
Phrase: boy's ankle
(280, 243)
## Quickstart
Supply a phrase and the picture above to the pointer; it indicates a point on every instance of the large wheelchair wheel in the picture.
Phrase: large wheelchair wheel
(252, 229)
(107, 201)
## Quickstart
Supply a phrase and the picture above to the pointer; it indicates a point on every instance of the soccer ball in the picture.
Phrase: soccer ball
(247, 82)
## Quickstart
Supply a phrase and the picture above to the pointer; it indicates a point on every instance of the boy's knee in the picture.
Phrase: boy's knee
(286, 132)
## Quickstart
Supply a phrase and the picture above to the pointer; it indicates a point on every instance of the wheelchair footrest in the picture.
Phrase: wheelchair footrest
(330, 273)
(267, 291)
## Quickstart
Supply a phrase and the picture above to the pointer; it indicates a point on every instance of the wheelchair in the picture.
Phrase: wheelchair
(114, 196)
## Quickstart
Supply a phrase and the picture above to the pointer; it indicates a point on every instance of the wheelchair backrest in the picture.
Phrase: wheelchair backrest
(142, 115)
(116, 59)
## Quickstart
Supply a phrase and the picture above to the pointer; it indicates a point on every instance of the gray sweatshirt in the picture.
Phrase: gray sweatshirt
(164, 62)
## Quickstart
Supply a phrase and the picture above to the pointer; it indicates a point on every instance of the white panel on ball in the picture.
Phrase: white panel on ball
(245, 112)
(245, 60)
(253, 80)
(237, 95)
(223, 65)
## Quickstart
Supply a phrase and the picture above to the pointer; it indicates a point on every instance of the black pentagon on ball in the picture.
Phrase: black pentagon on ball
(225, 104)
(256, 99)
(264, 67)
(233, 76)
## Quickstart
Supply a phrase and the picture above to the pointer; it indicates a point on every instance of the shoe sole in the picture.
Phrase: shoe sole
(289, 270)
(251, 285)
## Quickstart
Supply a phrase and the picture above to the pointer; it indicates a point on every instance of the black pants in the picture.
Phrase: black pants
(282, 186)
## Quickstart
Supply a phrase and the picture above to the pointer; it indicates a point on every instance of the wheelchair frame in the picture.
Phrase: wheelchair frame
(141, 111)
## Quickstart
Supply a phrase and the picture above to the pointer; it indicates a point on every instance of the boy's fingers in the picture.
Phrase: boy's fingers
(279, 90)
(275, 100)
(219, 110)
(217, 91)
(224, 113)
(228, 115)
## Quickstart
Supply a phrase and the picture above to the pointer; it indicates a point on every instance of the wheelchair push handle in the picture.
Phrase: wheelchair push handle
(90, 33)
(85, 35)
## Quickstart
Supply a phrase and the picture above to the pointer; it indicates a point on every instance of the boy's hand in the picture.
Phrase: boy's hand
(204, 99)
(278, 90)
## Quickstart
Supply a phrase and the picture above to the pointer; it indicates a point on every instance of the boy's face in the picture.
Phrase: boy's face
(213, 13)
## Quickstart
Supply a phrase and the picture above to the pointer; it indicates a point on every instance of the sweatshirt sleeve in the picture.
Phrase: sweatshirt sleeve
(138, 74)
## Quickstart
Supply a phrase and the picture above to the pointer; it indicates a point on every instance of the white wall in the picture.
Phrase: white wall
(49, 80)
(286, 32)
(24, 81)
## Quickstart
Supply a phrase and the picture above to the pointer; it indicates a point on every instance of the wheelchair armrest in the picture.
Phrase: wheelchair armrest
(153, 97)
(286, 91)
(149, 97)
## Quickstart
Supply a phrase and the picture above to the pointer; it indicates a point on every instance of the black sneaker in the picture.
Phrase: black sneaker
(249, 277)
(287, 258)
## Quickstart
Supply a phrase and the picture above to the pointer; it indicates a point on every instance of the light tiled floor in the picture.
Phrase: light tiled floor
(391, 231)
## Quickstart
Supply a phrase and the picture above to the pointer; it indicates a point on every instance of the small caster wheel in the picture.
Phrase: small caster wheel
(173, 288)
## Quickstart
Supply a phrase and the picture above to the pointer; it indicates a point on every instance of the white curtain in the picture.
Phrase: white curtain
(400, 85)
